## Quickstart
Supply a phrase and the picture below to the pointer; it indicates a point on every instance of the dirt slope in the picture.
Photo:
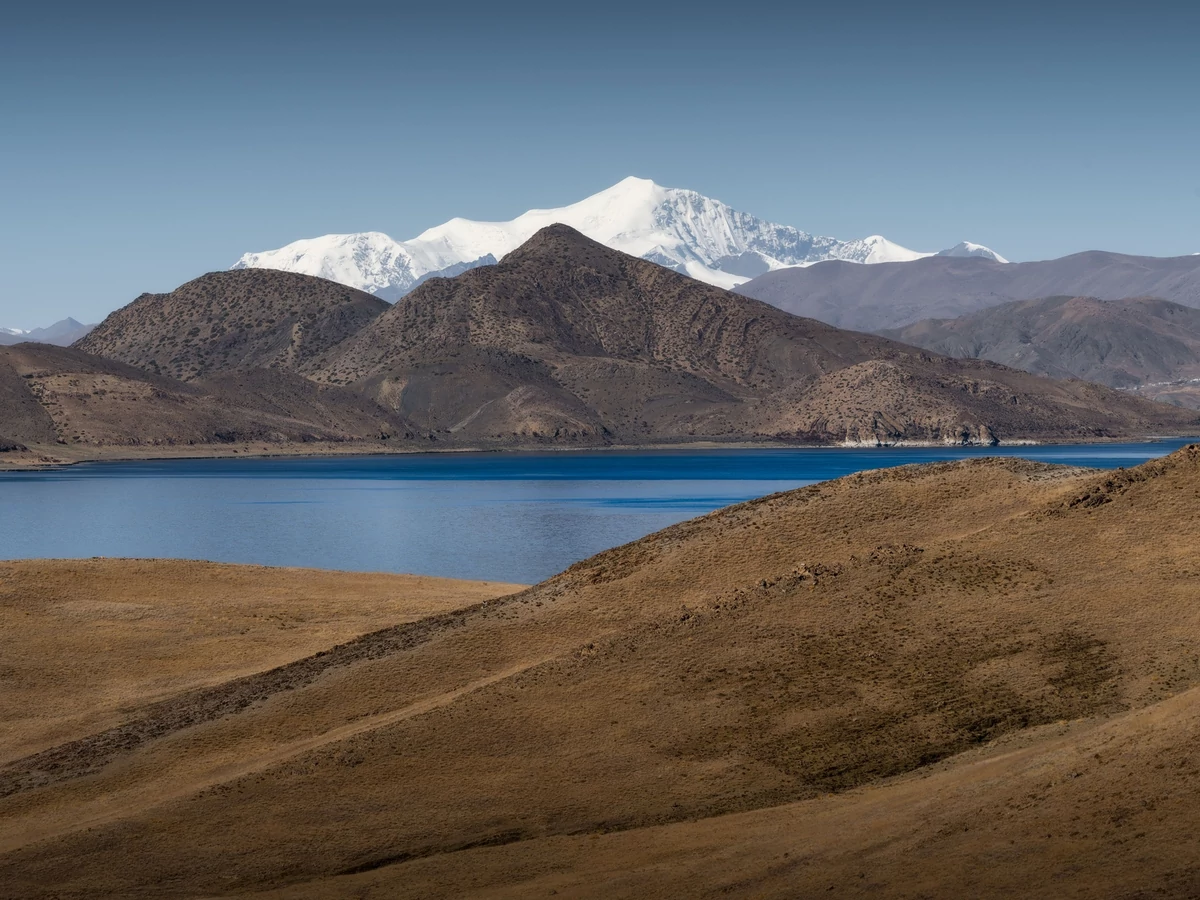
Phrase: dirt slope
(786, 651)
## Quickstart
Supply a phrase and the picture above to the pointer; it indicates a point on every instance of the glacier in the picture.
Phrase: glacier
(680, 229)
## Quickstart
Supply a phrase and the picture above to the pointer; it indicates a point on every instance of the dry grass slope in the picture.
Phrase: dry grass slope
(991, 660)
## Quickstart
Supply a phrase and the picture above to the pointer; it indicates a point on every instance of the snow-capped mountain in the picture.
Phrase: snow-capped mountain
(14, 332)
(966, 248)
(680, 229)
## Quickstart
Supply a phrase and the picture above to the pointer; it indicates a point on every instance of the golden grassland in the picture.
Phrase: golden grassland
(88, 643)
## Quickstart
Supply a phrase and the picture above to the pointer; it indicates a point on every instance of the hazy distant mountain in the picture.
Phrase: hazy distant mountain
(226, 321)
(874, 298)
(680, 229)
(63, 334)
(568, 340)
(1149, 345)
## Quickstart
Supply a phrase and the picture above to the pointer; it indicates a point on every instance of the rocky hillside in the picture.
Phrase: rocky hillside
(567, 339)
(61, 400)
(892, 295)
(844, 690)
(224, 321)
(1146, 345)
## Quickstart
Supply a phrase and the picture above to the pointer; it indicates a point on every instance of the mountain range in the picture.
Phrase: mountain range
(566, 336)
(61, 334)
(892, 295)
(565, 341)
(679, 229)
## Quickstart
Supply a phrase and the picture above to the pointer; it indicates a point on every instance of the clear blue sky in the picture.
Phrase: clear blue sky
(142, 145)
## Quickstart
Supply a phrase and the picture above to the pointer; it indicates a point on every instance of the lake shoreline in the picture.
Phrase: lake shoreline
(517, 517)
(51, 457)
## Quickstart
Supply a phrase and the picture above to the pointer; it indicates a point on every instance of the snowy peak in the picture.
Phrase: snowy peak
(679, 229)
(966, 248)
(370, 261)
(876, 249)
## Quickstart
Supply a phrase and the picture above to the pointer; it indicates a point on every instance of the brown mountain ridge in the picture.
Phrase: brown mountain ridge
(1143, 344)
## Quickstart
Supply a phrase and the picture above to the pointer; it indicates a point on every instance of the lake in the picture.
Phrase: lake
(517, 517)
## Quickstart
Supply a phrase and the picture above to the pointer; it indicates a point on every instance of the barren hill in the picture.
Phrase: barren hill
(965, 679)
(891, 295)
(55, 398)
(222, 321)
(567, 339)
(1143, 344)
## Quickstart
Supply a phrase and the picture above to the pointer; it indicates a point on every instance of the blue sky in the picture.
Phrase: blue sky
(143, 145)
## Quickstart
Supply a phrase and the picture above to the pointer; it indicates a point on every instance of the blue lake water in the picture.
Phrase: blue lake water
(517, 517)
